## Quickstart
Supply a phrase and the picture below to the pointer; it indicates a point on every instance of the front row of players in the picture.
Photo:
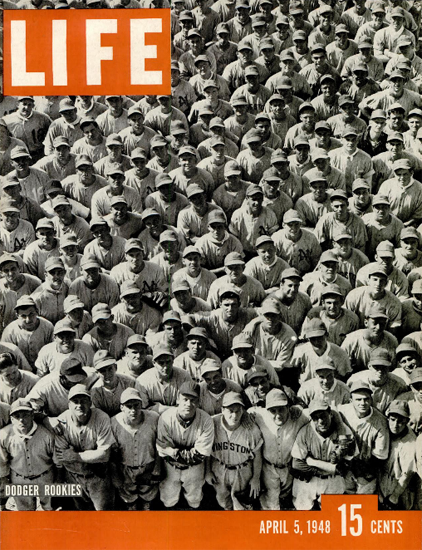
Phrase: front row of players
(278, 454)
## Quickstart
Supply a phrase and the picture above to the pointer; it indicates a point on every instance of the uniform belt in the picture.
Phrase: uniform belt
(275, 465)
(235, 466)
(30, 477)
(325, 476)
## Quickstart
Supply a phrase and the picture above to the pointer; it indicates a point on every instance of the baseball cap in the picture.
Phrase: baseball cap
(129, 288)
(171, 316)
(66, 104)
(402, 164)
(103, 359)
(19, 151)
(258, 372)
(271, 305)
(378, 113)
(328, 364)
(210, 365)
(10, 181)
(405, 349)
(276, 97)
(318, 177)
(360, 68)
(397, 12)
(415, 112)
(158, 141)
(284, 83)
(88, 120)
(299, 35)
(278, 156)
(217, 216)
(232, 168)
(292, 216)
(417, 287)
(200, 59)
(114, 139)
(177, 128)
(54, 262)
(349, 131)
(89, 262)
(254, 190)
(20, 404)
(262, 116)
(63, 326)
(100, 311)
(210, 84)
(135, 110)
(376, 269)
(272, 180)
(229, 289)
(301, 140)
(130, 394)
(319, 153)
(239, 100)
(317, 405)
(45, 223)
(132, 244)
(232, 398)
(162, 349)
(416, 376)
(135, 340)
(332, 289)
(83, 160)
(194, 189)
(198, 332)
(258, 20)
(252, 135)
(378, 7)
(60, 200)
(276, 398)
(341, 28)
(360, 184)
(342, 233)
(241, 341)
(118, 199)
(379, 357)
(180, 285)
(8, 206)
(409, 233)
(291, 273)
(263, 239)
(191, 250)
(380, 199)
(6, 257)
(60, 140)
(98, 221)
(328, 256)
(72, 369)
(315, 328)
(79, 389)
(114, 169)
(385, 248)
(377, 312)
(160, 180)
(344, 100)
(216, 140)
(25, 301)
(338, 194)
(72, 302)
(168, 236)
(399, 407)
(243, 45)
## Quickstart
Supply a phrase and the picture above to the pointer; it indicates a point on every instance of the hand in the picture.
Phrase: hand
(68, 455)
(333, 457)
(255, 488)
(210, 478)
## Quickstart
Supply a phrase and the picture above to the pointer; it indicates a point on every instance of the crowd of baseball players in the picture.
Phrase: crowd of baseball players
(213, 300)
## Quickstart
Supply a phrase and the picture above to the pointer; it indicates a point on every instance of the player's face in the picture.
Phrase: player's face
(213, 381)
(22, 421)
(199, 201)
(318, 342)
(240, 110)
(133, 302)
(119, 211)
(183, 297)
(63, 153)
(76, 315)
(223, 38)
(292, 229)
(277, 108)
(397, 86)
(245, 56)
(132, 412)
(20, 164)
(376, 326)
(175, 77)
(197, 348)
(271, 322)
(332, 305)
(244, 357)
(164, 365)
(65, 342)
(396, 119)
(255, 203)
(414, 123)
(396, 147)
(153, 223)
(290, 288)
(137, 354)
(408, 362)
(280, 414)
(377, 283)
(25, 107)
(300, 45)
(173, 329)
(361, 402)
(136, 120)
(322, 139)
(160, 151)
(134, 259)
(263, 127)
(417, 391)
(261, 385)
(340, 209)
(379, 374)
(46, 237)
(171, 250)
(417, 298)
(377, 20)
(80, 406)
(108, 376)
(217, 231)
(270, 188)
(322, 421)
(28, 318)
(85, 173)
(64, 212)
(10, 271)
(362, 197)
(328, 269)
(302, 151)
(218, 151)
(325, 378)
(397, 423)
(115, 105)
(204, 69)
(328, 89)
(10, 375)
(115, 152)
(386, 261)
(343, 247)
(360, 77)
(192, 262)
(10, 220)
(242, 15)
(69, 115)
(382, 212)
(55, 277)
(397, 22)
(230, 308)
(91, 132)
(319, 60)
(234, 272)
(409, 247)
(91, 276)
(187, 405)
(350, 143)
(319, 191)
(267, 253)
(115, 182)
(233, 414)
(268, 54)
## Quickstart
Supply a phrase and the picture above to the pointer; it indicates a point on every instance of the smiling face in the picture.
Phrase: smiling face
(321, 421)
(65, 341)
(55, 277)
(214, 381)
(10, 271)
(80, 408)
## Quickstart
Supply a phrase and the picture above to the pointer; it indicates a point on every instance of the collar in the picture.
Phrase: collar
(29, 434)
(185, 423)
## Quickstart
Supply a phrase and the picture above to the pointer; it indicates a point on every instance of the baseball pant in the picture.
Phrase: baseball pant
(133, 486)
(306, 493)
(191, 480)
(365, 487)
(230, 482)
(97, 490)
(277, 484)
(25, 504)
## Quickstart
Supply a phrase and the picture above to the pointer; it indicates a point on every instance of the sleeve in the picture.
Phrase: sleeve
(29, 260)
(4, 456)
(204, 442)
(105, 437)
(300, 446)
(381, 444)
(165, 443)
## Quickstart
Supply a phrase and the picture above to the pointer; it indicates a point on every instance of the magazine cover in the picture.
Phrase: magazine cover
(211, 275)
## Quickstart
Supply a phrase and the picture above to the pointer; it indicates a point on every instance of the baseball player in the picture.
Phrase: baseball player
(26, 455)
(407, 361)
(266, 268)
(184, 439)
(16, 383)
(34, 182)
(15, 234)
(136, 359)
(183, 302)
(234, 468)
(214, 387)
(85, 453)
(50, 295)
(279, 422)
(192, 360)
(134, 459)
(321, 456)
(324, 387)
(172, 335)
(46, 245)
(132, 312)
(82, 185)
(399, 469)
(108, 244)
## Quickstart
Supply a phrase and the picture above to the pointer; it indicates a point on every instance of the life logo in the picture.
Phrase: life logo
(87, 52)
